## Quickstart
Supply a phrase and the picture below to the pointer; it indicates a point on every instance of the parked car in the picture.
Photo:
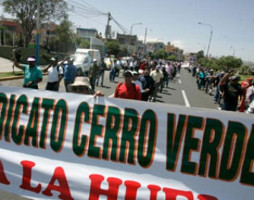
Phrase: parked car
(83, 59)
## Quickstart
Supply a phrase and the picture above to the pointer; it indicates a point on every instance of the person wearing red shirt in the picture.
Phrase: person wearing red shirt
(127, 89)
(245, 85)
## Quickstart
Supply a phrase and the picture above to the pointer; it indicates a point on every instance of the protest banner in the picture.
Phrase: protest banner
(70, 146)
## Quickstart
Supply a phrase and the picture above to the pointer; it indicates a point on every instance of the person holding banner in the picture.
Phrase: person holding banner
(127, 89)
(32, 73)
(55, 74)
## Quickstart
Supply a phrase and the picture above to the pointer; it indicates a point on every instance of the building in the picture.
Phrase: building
(10, 32)
(86, 33)
(154, 46)
(127, 41)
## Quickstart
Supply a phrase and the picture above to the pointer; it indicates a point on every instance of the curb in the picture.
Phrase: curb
(16, 77)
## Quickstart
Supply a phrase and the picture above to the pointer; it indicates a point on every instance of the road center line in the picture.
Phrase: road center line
(187, 104)
(179, 80)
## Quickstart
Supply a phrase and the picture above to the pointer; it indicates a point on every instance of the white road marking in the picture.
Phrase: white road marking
(179, 80)
(187, 104)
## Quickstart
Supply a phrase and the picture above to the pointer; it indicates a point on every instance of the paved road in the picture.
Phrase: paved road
(181, 91)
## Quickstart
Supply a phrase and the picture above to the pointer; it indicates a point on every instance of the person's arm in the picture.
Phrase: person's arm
(16, 64)
(138, 92)
(224, 79)
(46, 69)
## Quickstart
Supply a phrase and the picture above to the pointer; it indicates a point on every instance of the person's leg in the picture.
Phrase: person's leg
(102, 78)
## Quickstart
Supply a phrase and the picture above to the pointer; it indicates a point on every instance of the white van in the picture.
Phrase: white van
(83, 60)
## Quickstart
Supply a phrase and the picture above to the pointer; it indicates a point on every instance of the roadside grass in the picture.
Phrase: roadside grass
(8, 74)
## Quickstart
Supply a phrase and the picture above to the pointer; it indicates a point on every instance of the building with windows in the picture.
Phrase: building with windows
(86, 33)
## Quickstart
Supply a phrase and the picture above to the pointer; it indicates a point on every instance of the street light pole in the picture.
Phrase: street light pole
(210, 39)
(38, 34)
(131, 33)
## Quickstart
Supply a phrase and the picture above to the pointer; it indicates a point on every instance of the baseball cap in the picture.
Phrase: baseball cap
(30, 59)
(94, 60)
(128, 72)
(234, 78)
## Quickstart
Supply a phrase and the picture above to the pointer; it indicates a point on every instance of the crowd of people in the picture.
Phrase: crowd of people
(225, 86)
(143, 79)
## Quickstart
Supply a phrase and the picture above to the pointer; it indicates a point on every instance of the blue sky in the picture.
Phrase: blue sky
(177, 21)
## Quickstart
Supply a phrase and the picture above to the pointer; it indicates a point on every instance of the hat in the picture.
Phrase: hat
(234, 78)
(128, 72)
(140, 71)
(30, 59)
(53, 59)
(81, 81)
(94, 60)
(158, 67)
(135, 73)
(249, 79)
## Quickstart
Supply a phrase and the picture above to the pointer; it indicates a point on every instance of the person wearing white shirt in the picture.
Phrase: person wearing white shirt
(55, 75)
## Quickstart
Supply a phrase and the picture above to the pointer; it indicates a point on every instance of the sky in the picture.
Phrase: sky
(176, 21)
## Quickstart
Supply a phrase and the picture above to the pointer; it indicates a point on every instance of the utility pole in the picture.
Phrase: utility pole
(108, 29)
(38, 34)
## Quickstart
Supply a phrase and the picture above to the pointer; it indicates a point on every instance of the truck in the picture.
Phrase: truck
(83, 60)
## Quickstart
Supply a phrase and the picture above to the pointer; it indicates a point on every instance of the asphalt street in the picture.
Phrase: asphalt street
(181, 91)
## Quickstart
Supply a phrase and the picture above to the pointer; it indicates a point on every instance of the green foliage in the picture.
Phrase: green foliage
(84, 43)
(172, 58)
(160, 54)
(26, 12)
(200, 55)
(64, 38)
(112, 47)
(229, 62)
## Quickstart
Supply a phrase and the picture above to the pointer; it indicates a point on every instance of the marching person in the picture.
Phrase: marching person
(70, 71)
(93, 73)
(231, 91)
(32, 73)
(103, 67)
(127, 89)
(55, 74)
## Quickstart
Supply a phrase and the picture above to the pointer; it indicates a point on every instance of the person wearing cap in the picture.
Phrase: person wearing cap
(147, 84)
(127, 89)
(135, 80)
(231, 91)
(103, 67)
(32, 73)
(157, 77)
(245, 85)
(70, 71)
(93, 73)
(55, 74)
(81, 85)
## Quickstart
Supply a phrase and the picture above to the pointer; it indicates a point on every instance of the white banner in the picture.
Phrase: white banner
(69, 146)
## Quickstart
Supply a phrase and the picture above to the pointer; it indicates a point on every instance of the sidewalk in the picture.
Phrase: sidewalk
(5, 65)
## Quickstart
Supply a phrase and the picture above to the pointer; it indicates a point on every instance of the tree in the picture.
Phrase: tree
(64, 36)
(112, 47)
(172, 57)
(229, 62)
(26, 11)
(160, 54)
